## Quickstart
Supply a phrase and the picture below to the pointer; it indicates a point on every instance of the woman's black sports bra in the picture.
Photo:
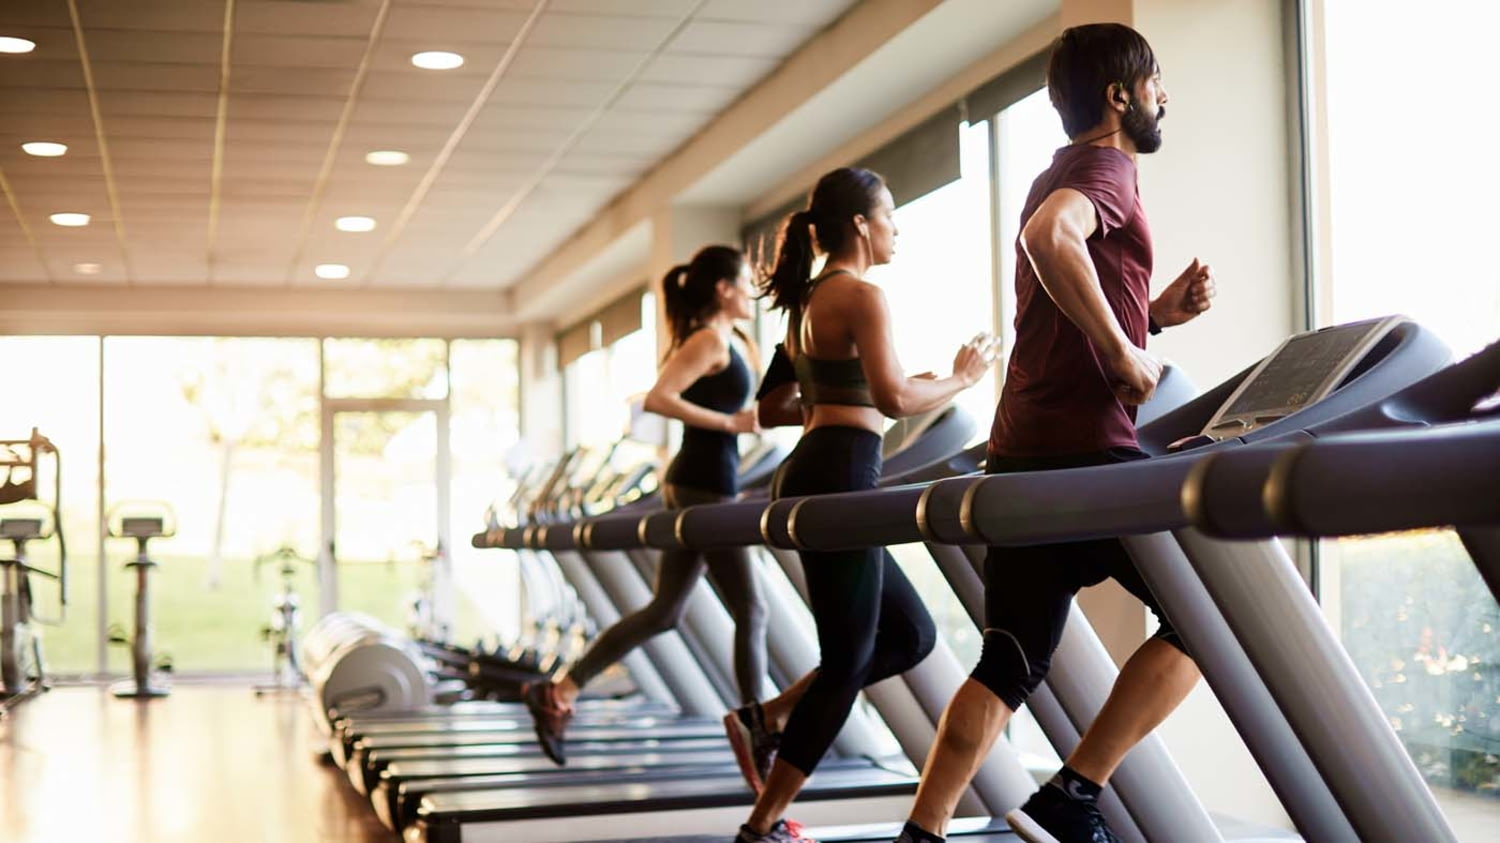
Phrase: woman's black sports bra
(822, 381)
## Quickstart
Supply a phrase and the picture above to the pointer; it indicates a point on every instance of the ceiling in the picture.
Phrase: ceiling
(215, 143)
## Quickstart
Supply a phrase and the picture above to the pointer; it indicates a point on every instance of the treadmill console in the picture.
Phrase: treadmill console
(139, 527)
(20, 528)
(1301, 371)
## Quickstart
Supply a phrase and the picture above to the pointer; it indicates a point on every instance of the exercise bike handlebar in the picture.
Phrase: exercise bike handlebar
(35, 445)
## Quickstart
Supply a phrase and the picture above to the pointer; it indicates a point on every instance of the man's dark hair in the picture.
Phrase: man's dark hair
(1085, 61)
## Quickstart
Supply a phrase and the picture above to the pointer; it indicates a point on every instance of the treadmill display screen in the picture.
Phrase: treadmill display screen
(1293, 377)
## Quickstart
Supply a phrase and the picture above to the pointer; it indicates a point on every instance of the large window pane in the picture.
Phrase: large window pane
(224, 432)
(1408, 231)
(385, 499)
(940, 284)
(484, 433)
(385, 368)
(52, 384)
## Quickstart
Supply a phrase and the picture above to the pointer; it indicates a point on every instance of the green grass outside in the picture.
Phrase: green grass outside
(218, 629)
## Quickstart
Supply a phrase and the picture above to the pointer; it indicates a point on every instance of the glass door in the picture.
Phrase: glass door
(386, 513)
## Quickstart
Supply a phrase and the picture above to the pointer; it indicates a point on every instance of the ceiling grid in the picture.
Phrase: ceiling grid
(232, 134)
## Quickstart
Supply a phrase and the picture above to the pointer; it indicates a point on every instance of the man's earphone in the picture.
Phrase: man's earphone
(1120, 96)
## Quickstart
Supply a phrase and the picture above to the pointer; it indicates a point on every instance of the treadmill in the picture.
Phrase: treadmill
(1428, 456)
(1311, 377)
(551, 812)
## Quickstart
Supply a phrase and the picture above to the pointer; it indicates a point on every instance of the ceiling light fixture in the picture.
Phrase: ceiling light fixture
(70, 220)
(355, 224)
(331, 271)
(437, 60)
(16, 45)
(87, 268)
(44, 149)
(387, 157)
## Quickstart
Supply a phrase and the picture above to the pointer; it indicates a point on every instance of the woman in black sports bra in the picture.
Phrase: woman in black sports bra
(705, 383)
(871, 623)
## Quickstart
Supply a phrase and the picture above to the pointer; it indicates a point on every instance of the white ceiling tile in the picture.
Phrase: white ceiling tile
(734, 71)
(449, 28)
(133, 76)
(551, 92)
(41, 73)
(811, 14)
(21, 101)
(422, 87)
(626, 8)
(20, 264)
(284, 16)
(109, 46)
(284, 50)
(158, 15)
(738, 39)
(576, 64)
(298, 81)
(601, 32)
(655, 96)
(156, 265)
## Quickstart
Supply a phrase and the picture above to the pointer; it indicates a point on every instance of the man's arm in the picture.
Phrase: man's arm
(1055, 241)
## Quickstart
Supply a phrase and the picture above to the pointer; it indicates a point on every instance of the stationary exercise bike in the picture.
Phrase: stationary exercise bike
(143, 523)
(281, 631)
(23, 672)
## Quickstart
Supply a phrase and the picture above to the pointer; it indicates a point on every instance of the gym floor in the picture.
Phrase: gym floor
(210, 762)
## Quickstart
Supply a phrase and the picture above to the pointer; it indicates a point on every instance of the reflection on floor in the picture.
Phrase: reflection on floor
(209, 763)
(214, 763)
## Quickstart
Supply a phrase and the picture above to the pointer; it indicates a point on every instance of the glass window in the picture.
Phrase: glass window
(385, 368)
(940, 284)
(52, 384)
(224, 432)
(1405, 229)
(484, 431)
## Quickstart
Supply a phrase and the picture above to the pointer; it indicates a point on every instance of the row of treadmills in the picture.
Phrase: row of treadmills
(1357, 428)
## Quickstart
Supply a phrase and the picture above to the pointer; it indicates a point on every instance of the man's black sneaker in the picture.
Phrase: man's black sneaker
(1050, 816)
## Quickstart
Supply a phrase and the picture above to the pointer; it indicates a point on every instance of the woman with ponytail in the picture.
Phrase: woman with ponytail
(705, 382)
(871, 622)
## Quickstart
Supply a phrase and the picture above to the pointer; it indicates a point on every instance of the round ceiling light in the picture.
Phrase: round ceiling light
(331, 271)
(70, 220)
(437, 60)
(387, 157)
(16, 45)
(87, 268)
(44, 149)
(355, 224)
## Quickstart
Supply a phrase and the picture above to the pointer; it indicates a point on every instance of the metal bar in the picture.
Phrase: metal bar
(1249, 705)
(1270, 611)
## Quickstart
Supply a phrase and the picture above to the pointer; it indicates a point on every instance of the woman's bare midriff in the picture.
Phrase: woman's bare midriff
(844, 415)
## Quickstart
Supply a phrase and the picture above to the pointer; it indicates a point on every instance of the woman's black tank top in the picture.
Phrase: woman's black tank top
(709, 460)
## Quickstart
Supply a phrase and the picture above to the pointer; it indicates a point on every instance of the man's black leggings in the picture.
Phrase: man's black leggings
(871, 622)
(1029, 590)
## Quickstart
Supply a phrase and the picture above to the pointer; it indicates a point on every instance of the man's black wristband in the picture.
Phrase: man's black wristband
(1152, 326)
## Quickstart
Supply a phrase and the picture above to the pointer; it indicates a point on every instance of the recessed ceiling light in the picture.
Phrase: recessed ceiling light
(44, 149)
(354, 224)
(387, 157)
(71, 220)
(16, 45)
(331, 271)
(87, 268)
(437, 60)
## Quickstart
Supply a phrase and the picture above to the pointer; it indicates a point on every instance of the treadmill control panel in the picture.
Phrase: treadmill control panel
(1302, 370)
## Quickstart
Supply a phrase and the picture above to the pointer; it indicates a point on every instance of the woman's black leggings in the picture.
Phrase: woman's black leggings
(732, 573)
(871, 623)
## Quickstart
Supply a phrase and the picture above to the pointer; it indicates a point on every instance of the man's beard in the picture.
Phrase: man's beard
(1143, 130)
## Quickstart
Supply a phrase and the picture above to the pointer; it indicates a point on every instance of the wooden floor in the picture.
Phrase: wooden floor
(211, 762)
